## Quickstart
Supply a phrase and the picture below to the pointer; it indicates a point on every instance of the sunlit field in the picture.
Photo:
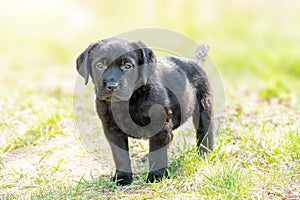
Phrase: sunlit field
(255, 46)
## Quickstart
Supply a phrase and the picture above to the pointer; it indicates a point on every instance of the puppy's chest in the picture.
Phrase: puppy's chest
(139, 107)
(142, 100)
(136, 109)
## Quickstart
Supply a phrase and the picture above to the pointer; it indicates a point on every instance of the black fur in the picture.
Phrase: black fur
(179, 85)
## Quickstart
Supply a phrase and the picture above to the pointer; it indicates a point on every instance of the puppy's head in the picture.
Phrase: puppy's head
(117, 67)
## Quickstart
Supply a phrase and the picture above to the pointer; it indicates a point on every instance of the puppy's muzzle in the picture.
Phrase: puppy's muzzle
(111, 86)
(106, 90)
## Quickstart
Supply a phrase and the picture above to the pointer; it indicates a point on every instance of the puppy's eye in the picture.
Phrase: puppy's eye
(126, 66)
(101, 66)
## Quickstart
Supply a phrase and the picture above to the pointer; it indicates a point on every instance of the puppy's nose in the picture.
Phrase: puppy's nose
(112, 85)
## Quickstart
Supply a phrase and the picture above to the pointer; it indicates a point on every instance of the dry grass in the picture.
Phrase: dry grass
(256, 48)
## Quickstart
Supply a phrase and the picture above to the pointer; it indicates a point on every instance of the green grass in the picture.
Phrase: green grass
(255, 46)
(240, 168)
(40, 131)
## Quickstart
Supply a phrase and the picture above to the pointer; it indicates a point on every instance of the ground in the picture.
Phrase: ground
(255, 48)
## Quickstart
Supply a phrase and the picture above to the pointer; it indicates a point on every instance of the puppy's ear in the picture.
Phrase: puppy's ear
(148, 64)
(82, 64)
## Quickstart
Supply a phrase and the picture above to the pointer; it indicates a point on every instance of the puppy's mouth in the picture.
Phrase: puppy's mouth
(110, 98)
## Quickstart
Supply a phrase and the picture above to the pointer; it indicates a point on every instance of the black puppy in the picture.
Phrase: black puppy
(141, 96)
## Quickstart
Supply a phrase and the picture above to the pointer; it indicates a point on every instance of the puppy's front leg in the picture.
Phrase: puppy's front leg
(120, 151)
(158, 155)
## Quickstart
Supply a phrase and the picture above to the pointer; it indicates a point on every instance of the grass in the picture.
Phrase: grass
(40, 131)
(237, 169)
(255, 47)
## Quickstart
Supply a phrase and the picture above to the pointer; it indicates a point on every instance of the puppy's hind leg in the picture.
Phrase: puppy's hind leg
(204, 124)
(203, 114)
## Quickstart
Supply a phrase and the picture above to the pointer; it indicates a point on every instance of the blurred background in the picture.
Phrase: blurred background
(254, 44)
(40, 40)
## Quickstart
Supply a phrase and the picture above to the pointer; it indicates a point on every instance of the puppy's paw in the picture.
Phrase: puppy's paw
(122, 178)
(157, 175)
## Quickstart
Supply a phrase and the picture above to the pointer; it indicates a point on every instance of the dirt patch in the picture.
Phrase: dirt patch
(60, 159)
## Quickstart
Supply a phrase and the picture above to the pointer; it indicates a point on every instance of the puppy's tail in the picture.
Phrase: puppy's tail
(201, 54)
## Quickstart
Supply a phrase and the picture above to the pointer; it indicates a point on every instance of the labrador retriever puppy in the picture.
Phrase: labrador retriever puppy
(139, 95)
